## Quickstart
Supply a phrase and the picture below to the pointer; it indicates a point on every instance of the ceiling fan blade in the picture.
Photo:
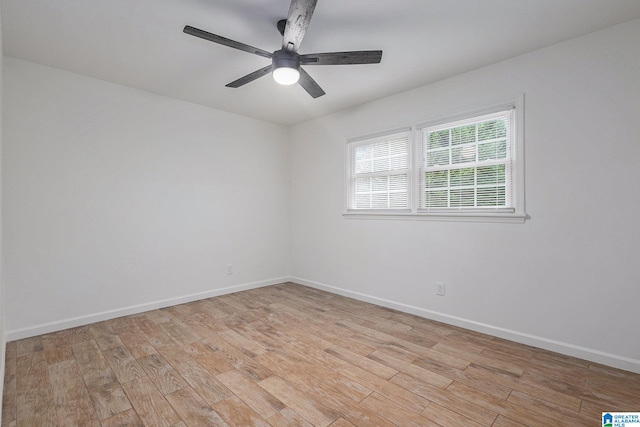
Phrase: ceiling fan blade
(342, 58)
(250, 77)
(225, 41)
(310, 85)
(300, 13)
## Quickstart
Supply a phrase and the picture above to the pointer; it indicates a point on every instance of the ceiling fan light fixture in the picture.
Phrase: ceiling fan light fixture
(286, 76)
(286, 67)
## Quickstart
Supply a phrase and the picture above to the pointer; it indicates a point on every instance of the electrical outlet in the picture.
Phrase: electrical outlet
(440, 289)
(229, 270)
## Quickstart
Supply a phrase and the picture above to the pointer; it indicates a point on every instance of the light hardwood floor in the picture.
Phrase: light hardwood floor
(291, 355)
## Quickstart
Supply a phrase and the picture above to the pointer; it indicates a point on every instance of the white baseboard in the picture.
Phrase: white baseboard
(73, 322)
(609, 359)
(589, 354)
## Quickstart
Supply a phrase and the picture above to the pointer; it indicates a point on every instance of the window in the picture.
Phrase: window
(466, 167)
(467, 164)
(380, 173)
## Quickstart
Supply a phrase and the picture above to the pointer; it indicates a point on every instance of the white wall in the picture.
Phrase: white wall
(569, 278)
(117, 200)
(3, 339)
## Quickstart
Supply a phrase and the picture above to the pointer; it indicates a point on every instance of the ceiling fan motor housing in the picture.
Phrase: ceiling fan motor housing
(286, 59)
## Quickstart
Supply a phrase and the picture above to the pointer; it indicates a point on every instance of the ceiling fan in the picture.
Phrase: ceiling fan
(286, 62)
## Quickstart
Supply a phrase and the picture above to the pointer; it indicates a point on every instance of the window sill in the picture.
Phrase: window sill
(504, 217)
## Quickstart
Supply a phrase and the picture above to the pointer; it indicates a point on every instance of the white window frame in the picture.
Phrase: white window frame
(514, 213)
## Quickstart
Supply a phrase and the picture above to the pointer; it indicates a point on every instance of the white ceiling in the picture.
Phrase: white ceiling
(140, 43)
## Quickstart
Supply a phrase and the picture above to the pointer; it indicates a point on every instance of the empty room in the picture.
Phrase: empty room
(320, 213)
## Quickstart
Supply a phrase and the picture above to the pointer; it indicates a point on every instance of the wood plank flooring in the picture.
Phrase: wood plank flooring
(289, 355)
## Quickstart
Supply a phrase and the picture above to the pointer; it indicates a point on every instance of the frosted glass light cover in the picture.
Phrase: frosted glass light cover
(286, 75)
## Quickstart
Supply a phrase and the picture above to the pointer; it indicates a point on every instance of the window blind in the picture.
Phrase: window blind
(468, 164)
(380, 173)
